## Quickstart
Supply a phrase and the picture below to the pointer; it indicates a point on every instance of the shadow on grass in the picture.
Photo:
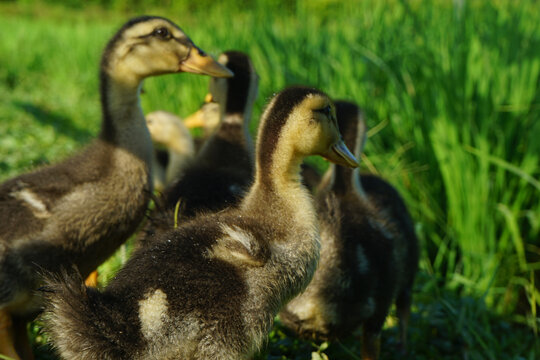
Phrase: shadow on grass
(62, 124)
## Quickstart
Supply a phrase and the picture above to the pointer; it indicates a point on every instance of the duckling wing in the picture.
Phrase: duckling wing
(241, 244)
(26, 202)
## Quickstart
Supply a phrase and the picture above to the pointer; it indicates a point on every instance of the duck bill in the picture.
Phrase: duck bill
(341, 155)
(198, 62)
(195, 120)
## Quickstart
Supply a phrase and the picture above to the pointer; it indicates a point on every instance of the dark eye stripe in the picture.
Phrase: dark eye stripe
(160, 32)
(327, 110)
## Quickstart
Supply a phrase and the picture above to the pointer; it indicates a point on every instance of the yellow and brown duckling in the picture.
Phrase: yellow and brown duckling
(208, 118)
(80, 210)
(369, 253)
(173, 147)
(222, 170)
(210, 288)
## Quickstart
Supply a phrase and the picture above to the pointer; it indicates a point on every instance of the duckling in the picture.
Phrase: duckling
(173, 147)
(210, 288)
(80, 210)
(223, 168)
(369, 253)
(208, 117)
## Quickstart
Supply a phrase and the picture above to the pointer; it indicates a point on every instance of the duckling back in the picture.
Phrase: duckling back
(387, 200)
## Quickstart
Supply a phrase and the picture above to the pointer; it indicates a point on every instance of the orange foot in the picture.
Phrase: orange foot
(371, 345)
(91, 280)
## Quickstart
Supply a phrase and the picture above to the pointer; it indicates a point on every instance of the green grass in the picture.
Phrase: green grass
(451, 93)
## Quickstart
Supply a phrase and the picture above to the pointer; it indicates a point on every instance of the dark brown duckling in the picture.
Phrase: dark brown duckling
(210, 288)
(369, 253)
(222, 170)
(80, 210)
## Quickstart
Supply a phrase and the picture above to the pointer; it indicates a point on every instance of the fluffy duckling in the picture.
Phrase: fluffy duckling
(369, 253)
(210, 288)
(223, 168)
(80, 210)
(173, 147)
(208, 118)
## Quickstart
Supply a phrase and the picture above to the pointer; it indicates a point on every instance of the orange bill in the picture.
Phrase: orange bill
(198, 62)
(195, 120)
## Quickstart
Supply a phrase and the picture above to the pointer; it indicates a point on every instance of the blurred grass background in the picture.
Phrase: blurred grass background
(451, 93)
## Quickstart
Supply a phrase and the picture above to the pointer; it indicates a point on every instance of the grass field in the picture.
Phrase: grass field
(451, 93)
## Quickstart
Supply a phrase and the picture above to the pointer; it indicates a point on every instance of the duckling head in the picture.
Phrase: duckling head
(169, 131)
(302, 120)
(236, 95)
(233, 97)
(352, 124)
(147, 46)
(208, 116)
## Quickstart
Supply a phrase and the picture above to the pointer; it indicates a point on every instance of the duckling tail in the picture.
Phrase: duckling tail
(77, 319)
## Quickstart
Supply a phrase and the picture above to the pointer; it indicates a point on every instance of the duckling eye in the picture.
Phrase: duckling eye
(327, 110)
(162, 32)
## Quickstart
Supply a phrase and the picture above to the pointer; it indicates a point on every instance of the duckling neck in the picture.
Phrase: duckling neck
(181, 144)
(345, 180)
(278, 182)
(177, 162)
(236, 126)
(229, 146)
(123, 119)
